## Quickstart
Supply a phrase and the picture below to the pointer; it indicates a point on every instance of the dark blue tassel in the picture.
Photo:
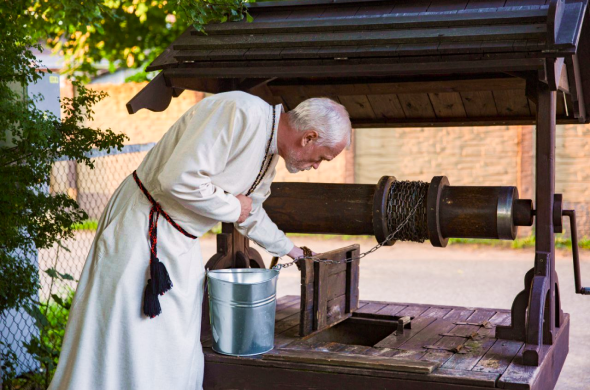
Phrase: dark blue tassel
(151, 304)
(164, 282)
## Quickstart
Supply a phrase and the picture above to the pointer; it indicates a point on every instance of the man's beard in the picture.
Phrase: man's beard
(293, 163)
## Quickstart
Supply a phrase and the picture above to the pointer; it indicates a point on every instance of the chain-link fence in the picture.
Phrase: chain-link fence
(92, 188)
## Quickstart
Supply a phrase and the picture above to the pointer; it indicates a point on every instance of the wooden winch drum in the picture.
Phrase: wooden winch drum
(362, 209)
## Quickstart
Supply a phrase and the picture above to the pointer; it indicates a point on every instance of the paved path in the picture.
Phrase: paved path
(458, 275)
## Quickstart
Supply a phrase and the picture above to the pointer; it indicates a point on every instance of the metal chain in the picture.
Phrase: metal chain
(390, 237)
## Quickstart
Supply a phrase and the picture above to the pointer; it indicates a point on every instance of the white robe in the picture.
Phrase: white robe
(212, 153)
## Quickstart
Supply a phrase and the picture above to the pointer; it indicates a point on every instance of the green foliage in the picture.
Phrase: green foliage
(125, 33)
(30, 142)
(203, 12)
(51, 317)
(87, 224)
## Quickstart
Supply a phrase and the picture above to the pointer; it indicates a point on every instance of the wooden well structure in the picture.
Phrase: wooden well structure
(400, 64)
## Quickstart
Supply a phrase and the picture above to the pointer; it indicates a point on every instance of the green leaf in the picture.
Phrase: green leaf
(66, 276)
(52, 273)
(249, 18)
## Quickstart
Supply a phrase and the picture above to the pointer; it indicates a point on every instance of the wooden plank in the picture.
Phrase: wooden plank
(375, 10)
(455, 338)
(352, 281)
(447, 5)
(288, 311)
(336, 285)
(286, 300)
(320, 296)
(416, 105)
(358, 106)
(417, 49)
(280, 375)
(386, 106)
(418, 324)
(473, 4)
(338, 52)
(226, 54)
(341, 11)
(346, 38)
(192, 55)
(499, 356)
(354, 349)
(570, 28)
(345, 360)
(335, 309)
(327, 68)
(307, 14)
(307, 297)
(300, 52)
(386, 352)
(273, 16)
(262, 53)
(287, 337)
(447, 104)
(511, 103)
(518, 376)
(479, 103)
(374, 90)
(380, 20)
(409, 6)
(477, 348)
(431, 333)
(482, 379)
(371, 307)
(516, 3)
(455, 122)
(391, 310)
(286, 323)
(461, 47)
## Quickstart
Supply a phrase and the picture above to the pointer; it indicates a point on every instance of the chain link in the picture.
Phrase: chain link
(373, 249)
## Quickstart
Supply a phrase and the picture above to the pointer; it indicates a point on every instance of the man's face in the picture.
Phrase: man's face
(310, 156)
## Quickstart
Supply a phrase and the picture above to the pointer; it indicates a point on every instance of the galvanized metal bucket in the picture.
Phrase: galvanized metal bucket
(242, 305)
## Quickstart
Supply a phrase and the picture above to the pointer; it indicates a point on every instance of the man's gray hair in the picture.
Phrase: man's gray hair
(329, 118)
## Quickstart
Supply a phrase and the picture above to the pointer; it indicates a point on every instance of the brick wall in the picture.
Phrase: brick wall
(467, 156)
(488, 156)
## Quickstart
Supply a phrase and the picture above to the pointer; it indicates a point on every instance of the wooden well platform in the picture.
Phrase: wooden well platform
(442, 347)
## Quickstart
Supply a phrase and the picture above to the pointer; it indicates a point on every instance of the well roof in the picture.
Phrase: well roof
(395, 63)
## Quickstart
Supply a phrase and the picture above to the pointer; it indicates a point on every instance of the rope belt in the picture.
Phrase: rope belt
(159, 281)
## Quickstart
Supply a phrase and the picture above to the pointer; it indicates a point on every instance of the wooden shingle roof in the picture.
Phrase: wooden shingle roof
(394, 63)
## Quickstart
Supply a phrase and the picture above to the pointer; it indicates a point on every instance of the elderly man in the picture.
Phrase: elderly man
(216, 163)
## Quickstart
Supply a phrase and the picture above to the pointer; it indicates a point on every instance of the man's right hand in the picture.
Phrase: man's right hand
(246, 204)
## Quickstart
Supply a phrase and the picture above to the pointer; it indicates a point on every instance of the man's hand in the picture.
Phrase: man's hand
(298, 252)
(246, 204)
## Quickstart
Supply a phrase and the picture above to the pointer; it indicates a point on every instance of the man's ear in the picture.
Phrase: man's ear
(308, 137)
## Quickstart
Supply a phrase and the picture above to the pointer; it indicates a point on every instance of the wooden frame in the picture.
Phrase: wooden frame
(436, 73)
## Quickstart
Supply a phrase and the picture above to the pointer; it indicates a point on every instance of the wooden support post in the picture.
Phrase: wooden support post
(542, 304)
(233, 251)
(536, 310)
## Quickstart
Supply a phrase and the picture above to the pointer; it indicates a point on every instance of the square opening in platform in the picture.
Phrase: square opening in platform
(357, 331)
